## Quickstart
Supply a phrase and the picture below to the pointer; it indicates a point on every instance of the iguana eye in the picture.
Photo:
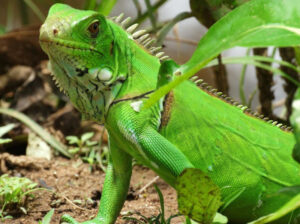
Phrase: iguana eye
(94, 29)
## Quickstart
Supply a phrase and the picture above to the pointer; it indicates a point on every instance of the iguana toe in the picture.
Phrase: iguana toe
(69, 220)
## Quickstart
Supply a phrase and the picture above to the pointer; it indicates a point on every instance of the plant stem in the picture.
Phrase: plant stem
(35, 9)
(138, 7)
(144, 16)
(166, 28)
(90, 5)
(106, 6)
(24, 12)
(242, 80)
(251, 97)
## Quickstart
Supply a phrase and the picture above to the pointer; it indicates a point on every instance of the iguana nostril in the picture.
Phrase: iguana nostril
(55, 32)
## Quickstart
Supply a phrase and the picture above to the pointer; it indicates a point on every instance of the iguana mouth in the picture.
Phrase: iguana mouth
(69, 44)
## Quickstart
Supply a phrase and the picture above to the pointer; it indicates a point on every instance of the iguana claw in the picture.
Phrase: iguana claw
(68, 219)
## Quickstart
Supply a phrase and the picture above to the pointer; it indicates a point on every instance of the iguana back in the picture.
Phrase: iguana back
(249, 158)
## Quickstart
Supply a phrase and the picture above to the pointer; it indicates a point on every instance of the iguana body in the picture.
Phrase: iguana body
(108, 74)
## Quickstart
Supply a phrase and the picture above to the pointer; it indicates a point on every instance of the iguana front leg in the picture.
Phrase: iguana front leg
(115, 187)
(164, 157)
(144, 142)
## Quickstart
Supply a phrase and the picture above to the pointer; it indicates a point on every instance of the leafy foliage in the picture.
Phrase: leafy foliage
(13, 192)
(247, 26)
(83, 144)
(47, 218)
(291, 205)
(89, 151)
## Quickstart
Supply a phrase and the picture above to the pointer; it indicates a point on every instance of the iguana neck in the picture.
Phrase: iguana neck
(140, 67)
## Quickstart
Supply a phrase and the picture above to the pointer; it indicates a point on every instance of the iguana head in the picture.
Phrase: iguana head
(80, 48)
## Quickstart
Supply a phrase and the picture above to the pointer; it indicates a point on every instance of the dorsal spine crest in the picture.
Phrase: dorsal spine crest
(209, 89)
(140, 36)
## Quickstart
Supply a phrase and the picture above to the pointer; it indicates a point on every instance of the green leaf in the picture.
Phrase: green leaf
(257, 23)
(297, 54)
(72, 139)
(198, 197)
(2, 29)
(248, 26)
(91, 143)
(5, 129)
(106, 6)
(220, 219)
(90, 4)
(5, 140)
(74, 150)
(295, 122)
(291, 205)
(162, 203)
(86, 136)
(8, 217)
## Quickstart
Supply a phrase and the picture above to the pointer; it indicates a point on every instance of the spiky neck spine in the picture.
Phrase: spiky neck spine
(134, 62)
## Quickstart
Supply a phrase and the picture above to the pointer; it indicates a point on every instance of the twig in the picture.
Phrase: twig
(251, 97)
(138, 7)
(147, 185)
(276, 104)
(151, 13)
(265, 83)
(279, 103)
(288, 54)
(191, 42)
(166, 28)
(144, 16)
(35, 9)
(67, 199)
(221, 76)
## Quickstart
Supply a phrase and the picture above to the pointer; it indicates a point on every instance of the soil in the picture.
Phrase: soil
(75, 190)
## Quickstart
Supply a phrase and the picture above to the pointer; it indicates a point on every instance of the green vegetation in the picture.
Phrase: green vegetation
(92, 152)
(248, 26)
(3, 130)
(47, 218)
(14, 191)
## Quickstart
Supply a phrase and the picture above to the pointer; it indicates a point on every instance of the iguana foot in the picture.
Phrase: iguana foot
(68, 219)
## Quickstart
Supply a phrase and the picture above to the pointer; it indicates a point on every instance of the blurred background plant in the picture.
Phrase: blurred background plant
(14, 192)
(92, 152)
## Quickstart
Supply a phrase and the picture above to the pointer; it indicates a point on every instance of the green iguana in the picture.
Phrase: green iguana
(108, 70)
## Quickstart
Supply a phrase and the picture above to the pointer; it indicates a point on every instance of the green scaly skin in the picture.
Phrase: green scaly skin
(107, 74)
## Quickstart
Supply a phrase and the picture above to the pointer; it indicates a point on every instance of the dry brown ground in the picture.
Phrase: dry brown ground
(73, 181)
